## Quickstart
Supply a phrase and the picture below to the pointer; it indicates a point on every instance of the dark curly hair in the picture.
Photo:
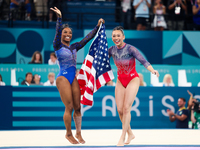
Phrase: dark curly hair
(66, 26)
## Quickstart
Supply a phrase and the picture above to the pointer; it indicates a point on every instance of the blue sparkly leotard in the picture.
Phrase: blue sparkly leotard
(67, 55)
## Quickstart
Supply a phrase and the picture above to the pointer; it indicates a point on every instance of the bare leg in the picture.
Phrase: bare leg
(131, 136)
(65, 91)
(119, 97)
(130, 94)
(77, 110)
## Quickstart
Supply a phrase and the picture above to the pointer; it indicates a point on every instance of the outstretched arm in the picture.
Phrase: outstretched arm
(143, 61)
(88, 37)
(150, 68)
(57, 40)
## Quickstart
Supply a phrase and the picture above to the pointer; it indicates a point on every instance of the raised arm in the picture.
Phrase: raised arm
(88, 37)
(148, 3)
(195, 10)
(143, 61)
(57, 40)
(192, 116)
(137, 5)
(190, 102)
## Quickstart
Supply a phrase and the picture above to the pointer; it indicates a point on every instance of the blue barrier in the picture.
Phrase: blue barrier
(41, 108)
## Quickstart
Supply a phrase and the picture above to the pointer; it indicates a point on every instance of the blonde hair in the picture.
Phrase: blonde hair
(51, 74)
(167, 76)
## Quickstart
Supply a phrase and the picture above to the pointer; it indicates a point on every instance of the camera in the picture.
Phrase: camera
(197, 106)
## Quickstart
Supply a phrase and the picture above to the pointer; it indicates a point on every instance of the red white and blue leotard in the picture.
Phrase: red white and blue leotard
(124, 59)
(67, 55)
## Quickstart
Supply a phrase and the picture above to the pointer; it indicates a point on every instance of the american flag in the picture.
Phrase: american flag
(96, 70)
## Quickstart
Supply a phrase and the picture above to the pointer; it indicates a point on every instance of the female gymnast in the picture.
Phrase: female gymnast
(128, 80)
(66, 82)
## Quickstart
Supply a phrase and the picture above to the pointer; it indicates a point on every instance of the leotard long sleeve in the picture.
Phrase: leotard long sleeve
(67, 55)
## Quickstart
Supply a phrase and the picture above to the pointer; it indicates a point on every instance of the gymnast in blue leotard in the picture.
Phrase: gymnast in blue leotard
(66, 82)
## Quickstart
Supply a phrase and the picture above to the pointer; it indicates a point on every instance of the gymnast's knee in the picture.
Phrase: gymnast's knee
(120, 112)
(77, 111)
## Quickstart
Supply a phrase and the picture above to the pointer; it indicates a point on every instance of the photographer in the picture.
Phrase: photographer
(195, 110)
(195, 115)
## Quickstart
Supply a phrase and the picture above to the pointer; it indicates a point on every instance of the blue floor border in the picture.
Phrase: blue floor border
(101, 146)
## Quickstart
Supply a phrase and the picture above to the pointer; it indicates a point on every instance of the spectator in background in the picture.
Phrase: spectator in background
(36, 79)
(52, 4)
(159, 11)
(189, 15)
(195, 115)
(36, 58)
(53, 59)
(1, 81)
(177, 9)
(167, 80)
(28, 80)
(194, 104)
(41, 9)
(182, 115)
(142, 83)
(142, 13)
(20, 5)
(3, 7)
(51, 81)
(196, 13)
(126, 13)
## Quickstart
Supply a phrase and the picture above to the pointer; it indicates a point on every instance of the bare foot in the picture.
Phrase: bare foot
(121, 142)
(80, 139)
(130, 137)
(71, 139)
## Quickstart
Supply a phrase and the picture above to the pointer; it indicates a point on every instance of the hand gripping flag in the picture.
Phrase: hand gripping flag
(96, 70)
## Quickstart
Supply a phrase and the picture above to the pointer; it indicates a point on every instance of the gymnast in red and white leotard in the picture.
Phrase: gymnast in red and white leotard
(128, 80)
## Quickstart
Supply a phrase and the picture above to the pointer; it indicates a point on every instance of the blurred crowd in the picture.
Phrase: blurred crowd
(161, 14)
(135, 14)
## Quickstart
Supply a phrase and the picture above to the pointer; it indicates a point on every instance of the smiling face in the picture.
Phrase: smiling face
(118, 38)
(66, 35)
